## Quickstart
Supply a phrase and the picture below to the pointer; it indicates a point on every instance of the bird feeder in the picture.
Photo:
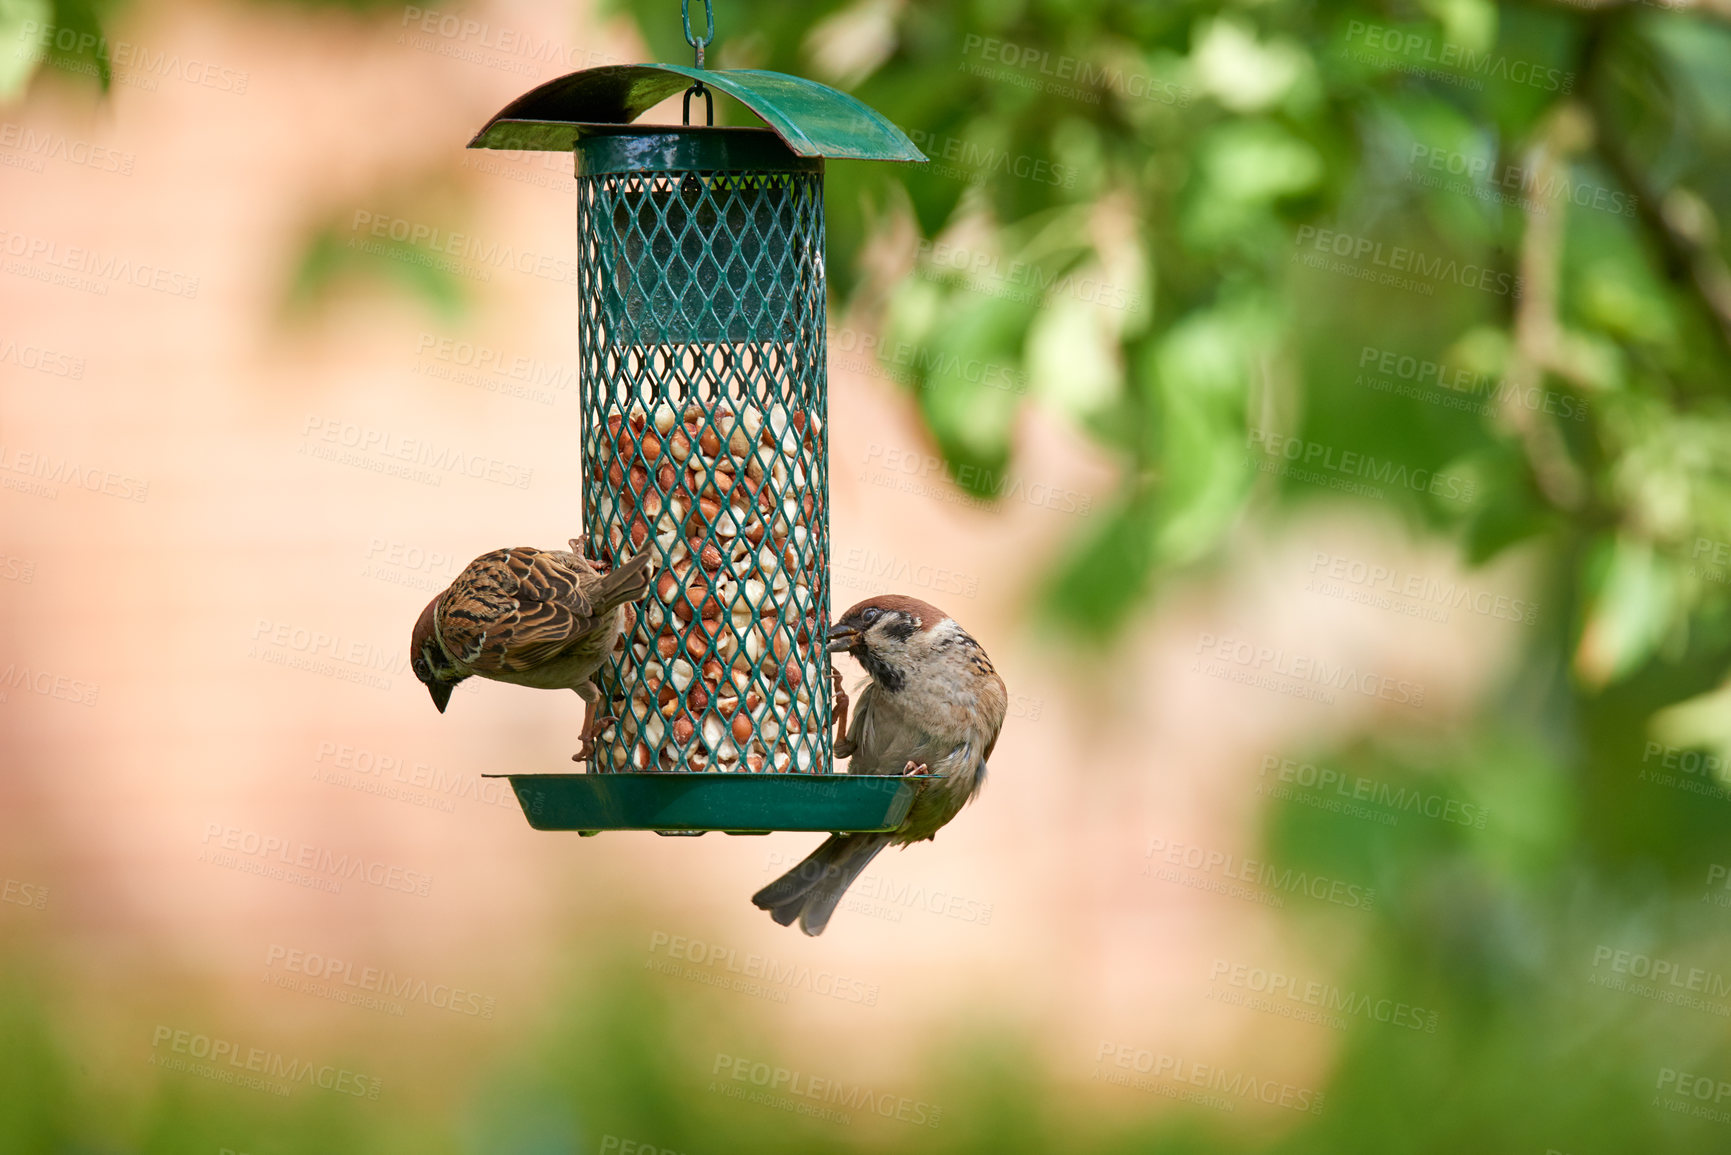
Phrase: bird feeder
(701, 326)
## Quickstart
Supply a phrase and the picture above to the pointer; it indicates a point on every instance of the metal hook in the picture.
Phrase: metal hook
(699, 43)
(708, 103)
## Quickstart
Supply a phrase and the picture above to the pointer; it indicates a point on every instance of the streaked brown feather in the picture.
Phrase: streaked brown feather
(515, 609)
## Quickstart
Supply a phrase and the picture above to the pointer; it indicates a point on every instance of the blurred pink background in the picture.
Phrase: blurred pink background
(193, 614)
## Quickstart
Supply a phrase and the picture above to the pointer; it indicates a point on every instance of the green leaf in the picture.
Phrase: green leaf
(78, 42)
(971, 416)
(1632, 592)
(1200, 375)
(329, 258)
(22, 23)
(1105, 579)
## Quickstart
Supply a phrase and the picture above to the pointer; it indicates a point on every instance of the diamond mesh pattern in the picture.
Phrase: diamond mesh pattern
(702, 334)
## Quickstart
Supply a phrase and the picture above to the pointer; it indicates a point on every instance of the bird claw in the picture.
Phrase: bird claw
(587, 750)
(840, 706)
(915, 769)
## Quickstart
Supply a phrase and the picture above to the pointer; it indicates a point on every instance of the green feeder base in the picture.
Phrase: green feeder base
(682, 803)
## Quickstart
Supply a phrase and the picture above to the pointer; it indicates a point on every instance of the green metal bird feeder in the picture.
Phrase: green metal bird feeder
(701, 321)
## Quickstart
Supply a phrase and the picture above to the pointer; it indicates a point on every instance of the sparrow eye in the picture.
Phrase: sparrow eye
(870, 616)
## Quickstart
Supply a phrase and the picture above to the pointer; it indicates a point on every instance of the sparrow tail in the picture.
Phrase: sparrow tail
(628, 582)
(811, 890)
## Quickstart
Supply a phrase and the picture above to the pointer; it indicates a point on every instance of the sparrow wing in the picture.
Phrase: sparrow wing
(857, 729)
(514, 609)
(883, 737)
(994, 697)
(554, 575)
(996, 702)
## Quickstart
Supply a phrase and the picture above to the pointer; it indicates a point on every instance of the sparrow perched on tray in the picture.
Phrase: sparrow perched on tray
(534, 617)
(932, 711)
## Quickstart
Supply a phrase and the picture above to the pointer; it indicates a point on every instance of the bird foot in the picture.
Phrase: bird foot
(915, 769)
(587, 750)
(841, 707)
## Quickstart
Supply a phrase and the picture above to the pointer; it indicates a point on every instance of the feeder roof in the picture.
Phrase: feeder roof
(812, 118)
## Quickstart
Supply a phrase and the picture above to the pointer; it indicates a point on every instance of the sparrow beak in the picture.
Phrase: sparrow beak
(441, 692)
(842, 638)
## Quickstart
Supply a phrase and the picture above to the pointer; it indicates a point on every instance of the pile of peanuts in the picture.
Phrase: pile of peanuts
(722, 658)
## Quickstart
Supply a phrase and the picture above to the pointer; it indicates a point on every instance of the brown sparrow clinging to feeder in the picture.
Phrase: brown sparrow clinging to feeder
(532, 617)
(932, 711)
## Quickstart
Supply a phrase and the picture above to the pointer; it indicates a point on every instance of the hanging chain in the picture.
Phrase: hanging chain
(699, 43)
(691, 38)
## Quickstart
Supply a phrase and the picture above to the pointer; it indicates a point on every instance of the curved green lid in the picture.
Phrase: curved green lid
(814, 119)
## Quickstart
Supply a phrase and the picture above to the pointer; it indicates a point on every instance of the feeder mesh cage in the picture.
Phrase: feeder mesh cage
(703, 393)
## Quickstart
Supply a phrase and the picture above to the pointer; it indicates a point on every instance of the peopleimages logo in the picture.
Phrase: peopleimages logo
(1230, 1087)
(1289, 996)
(28, 894)
(47, 683)
(873, 570)
(989, 273)
(463, 37)
(126, 56)
(1377, 579)
(414, 458)
(1273, 880)
(1070, 76)
(755, 973)
(972, 161)
(1702, 1096)
(1418, 371)
(463, 247)
(40, 359)
(804, 1094)
(229, 1062)
(471, 363)
(1356, 788)
(1481, 66)
(1659, 970)
(46, 145)
(1363, 466)
(1392, 264)
(1519, 178)
(893, 467)
(304, 863)
(53, 471)
(317, 652)
(349, 981)
(89, 270)
(885, 894)
(906, 363)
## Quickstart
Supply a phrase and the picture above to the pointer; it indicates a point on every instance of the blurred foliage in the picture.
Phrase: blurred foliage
(1478, 240)
(62, 34)
(1130, 201)
(407, 234)
(334, 253)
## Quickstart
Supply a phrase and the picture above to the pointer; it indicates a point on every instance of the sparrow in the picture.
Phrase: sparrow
(534, 617)
(932, 711)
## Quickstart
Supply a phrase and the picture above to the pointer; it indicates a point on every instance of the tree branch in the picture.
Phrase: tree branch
(1680, 223)
(1718, 9)
(1540, 343)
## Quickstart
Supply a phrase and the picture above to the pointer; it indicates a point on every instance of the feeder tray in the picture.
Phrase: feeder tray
(701, 323)
(695, 803)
